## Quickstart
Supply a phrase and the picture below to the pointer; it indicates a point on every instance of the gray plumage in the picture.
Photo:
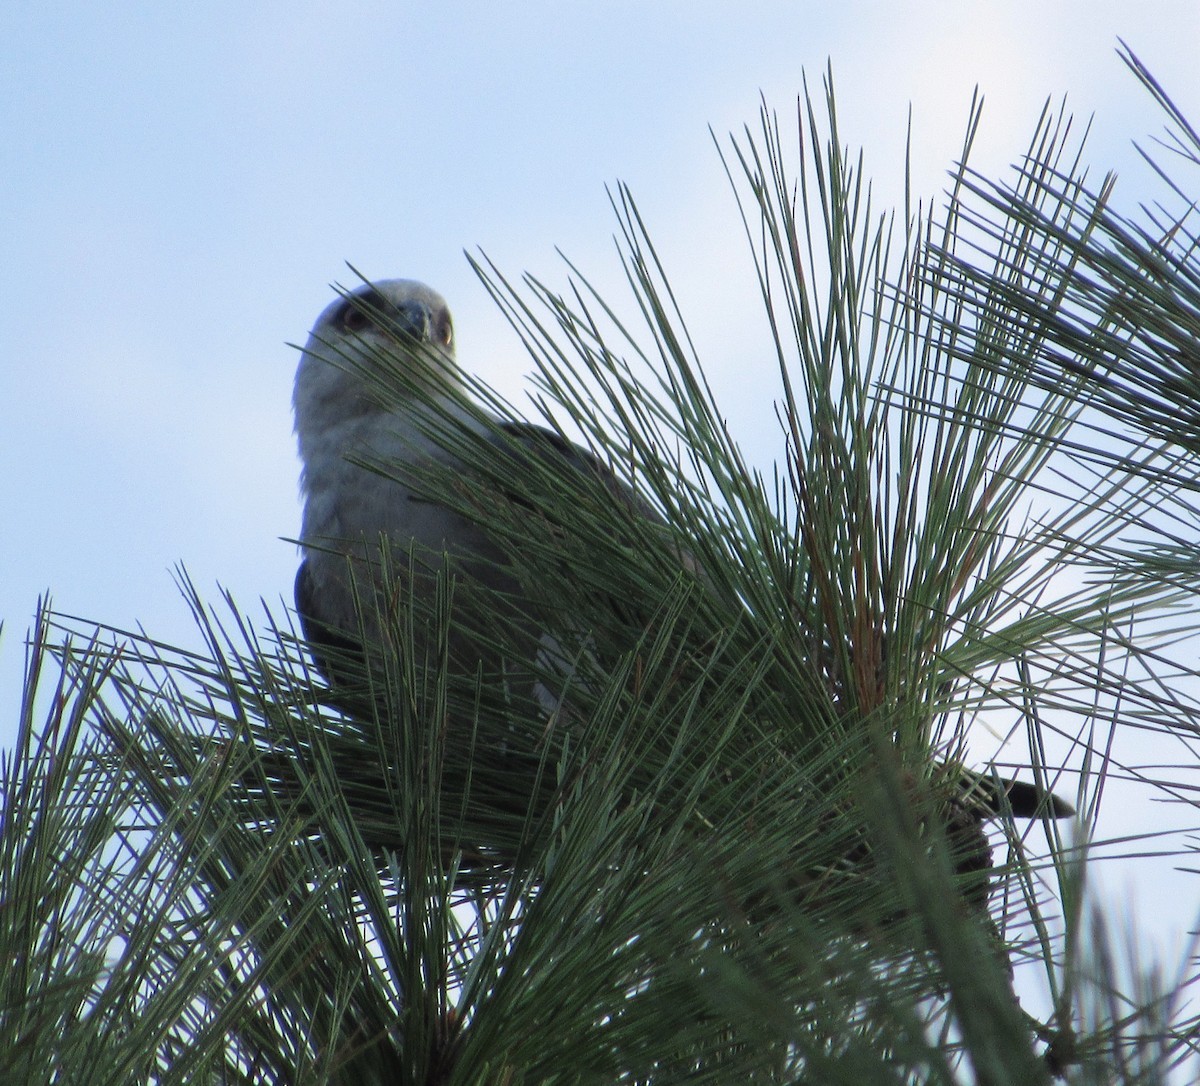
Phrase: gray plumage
(354, 515)
(350, 510)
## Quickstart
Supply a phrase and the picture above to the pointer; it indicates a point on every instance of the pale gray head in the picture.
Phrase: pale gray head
(400, 318)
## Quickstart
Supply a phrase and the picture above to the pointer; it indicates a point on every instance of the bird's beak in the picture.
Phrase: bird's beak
(415, 319)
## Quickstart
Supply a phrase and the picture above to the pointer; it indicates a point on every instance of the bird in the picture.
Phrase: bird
(352, 514)
(370, 533)
(374, 542)
(361, 522)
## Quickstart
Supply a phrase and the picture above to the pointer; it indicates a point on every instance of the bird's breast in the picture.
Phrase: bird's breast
(352, 512)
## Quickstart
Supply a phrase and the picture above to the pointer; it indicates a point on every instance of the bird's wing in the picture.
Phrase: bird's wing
(554, 447)
(997, 795)
(332, 651)
(1024, 799)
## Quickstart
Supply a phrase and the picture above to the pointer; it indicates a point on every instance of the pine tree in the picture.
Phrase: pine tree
(748, 847)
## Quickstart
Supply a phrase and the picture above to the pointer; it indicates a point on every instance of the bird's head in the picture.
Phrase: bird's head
(396, 324)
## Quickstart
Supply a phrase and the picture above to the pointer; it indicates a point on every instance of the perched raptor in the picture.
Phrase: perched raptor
(364, 526)
(353, 514)
(366, 530)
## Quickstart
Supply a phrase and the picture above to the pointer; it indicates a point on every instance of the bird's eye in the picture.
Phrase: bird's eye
(353, 318)
(444, 330)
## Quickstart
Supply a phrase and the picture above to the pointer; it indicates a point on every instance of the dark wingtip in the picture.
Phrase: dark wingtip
(1030, 801)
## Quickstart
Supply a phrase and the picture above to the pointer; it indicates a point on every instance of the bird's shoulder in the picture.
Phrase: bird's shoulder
(545, 442)
(557, 451)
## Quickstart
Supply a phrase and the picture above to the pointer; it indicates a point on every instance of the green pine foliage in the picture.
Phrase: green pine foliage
(745, 845)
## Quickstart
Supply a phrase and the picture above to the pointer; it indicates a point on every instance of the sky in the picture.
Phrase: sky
(182, 183)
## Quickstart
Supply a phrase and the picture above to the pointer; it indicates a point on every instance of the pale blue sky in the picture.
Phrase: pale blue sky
(180, 184)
